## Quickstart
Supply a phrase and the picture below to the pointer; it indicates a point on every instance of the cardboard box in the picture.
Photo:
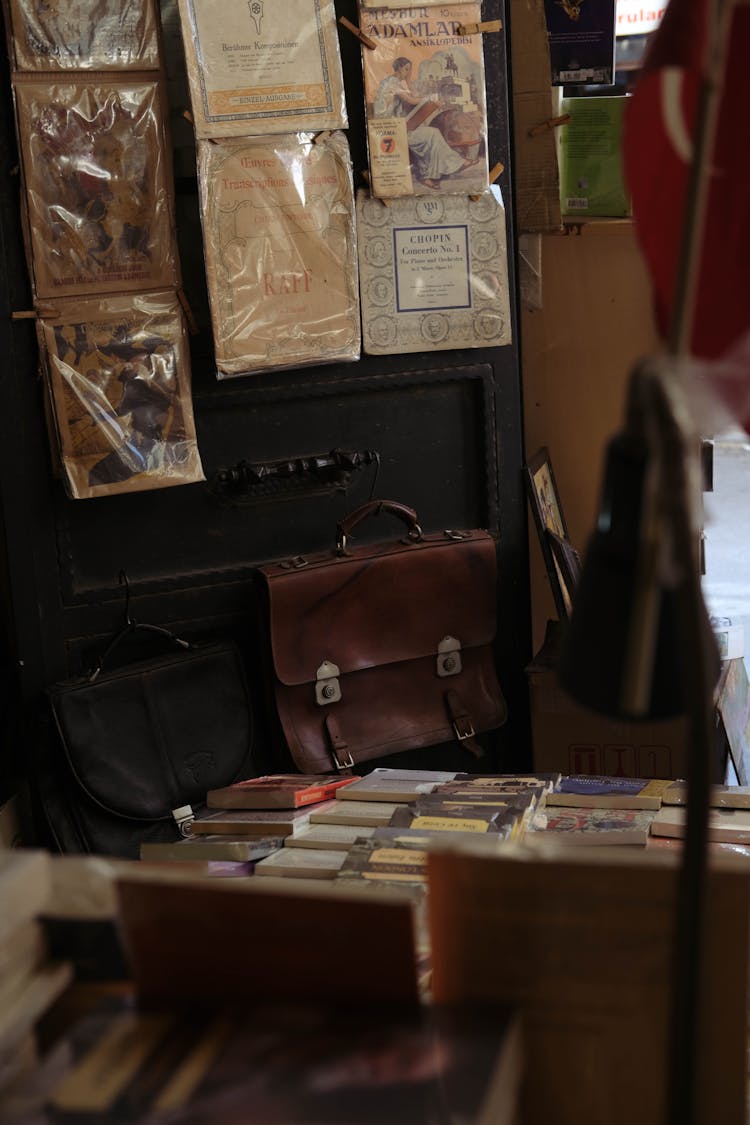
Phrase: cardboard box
(574, 739)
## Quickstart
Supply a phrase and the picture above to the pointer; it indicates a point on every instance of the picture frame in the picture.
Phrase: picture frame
(560, 557)
(567, 566)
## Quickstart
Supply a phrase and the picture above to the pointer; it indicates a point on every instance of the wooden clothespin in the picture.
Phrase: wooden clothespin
(476, 28)
(366, 178)
(192, 323)
(322, 136)
(365, 40)
(494, 174)
(550, 123)
(23, 314)
(188, 116)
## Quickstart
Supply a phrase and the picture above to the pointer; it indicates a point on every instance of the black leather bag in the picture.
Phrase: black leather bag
(138, 746)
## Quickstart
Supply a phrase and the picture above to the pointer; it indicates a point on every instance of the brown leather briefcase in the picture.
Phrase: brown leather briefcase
(383, 647)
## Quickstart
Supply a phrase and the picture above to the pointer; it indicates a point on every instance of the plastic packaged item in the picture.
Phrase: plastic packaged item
(280, 251)
(84, 35)
(118, 375)
(263, 67)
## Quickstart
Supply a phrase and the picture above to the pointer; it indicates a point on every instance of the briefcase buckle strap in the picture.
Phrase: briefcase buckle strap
(463, 727)
(337, 744)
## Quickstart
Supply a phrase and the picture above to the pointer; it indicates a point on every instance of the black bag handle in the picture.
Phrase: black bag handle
(131, 626)
(128, 629)
(373, 508)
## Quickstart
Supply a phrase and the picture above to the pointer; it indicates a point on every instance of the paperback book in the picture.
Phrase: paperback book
(588, 826)
(386, 784)
(76, 35)
(476, 819)
(329, 837)
(302, 863)
(400, 860)
(581, 36)
(433, 273)
(118, 375)
(368, 813)
(719, 796)
(591, 791)
(263, 67)
(218, 848)
(278, 791)
(99, 208)
(425, 100)
(280, 251)
(724, 824)
(254, 822)
(591, 173)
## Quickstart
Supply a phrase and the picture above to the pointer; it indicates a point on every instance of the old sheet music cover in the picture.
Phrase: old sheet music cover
(118, 372)
(84, 34)
(97, 198)
(425, 100)
(278, 226)
(263, 67)
(433, 272)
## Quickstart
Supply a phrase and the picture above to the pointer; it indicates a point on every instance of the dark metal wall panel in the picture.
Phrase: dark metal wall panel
(446, 427)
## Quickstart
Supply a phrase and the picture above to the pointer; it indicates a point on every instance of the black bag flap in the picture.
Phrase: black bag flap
(157, 734)
(381, 604)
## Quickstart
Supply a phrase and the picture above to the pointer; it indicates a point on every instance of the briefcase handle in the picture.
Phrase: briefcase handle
(345, 526)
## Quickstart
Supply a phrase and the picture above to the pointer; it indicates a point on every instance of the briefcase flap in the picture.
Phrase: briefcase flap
(381, 604)
(157, 734)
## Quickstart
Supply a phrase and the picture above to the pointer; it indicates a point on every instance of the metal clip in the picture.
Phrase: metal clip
(184, 817)
(449, 657)
(450, 534)
(327, 687)
(294, 564)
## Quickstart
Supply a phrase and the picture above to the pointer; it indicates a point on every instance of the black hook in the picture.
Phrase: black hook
(122, 578)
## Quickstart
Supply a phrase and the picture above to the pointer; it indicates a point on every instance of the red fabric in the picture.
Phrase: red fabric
(657, 169)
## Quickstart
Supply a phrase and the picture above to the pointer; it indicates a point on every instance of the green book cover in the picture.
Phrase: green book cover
(591, 177)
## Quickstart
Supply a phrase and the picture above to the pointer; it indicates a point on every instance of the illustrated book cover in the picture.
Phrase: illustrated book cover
(425, 101)
(263, 67)
(118, 373)
(76, 35)
(97, 198)
(591, 791)
(302, 863)
(293, 1062)
(386, 784)
(724, 824)
(277, 791)
(280, 250)
(254, 822)
(590, 826)
(433, 273)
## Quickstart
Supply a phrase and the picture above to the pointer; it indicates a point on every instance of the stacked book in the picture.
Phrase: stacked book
(30, 982)
(374, 829)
